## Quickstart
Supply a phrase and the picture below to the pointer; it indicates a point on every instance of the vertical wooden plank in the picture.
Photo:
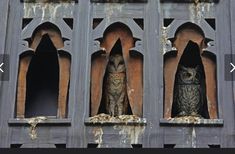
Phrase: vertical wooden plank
(78, 102)
(225, 94)
(152, 104)
(232, 35)
(4, 7)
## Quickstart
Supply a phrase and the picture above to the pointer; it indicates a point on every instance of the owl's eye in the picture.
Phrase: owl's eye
(189, 74)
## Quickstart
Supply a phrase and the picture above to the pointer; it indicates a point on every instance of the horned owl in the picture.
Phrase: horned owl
(116, 99)
(189, 91)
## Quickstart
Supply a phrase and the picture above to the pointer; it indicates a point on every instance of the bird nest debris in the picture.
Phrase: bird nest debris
(33, 124)
(186, 119)
(105, 118)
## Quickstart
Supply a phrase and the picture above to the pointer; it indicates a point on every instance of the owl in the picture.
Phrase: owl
(115, 93)
(189, 95)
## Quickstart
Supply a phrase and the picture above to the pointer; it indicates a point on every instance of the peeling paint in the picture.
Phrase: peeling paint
(33, 124)
(199, 10)
(112, 8)
(98, 134)
(166, 43)
(48, 10)
(130, 91)
(130, 134)
(193, 138)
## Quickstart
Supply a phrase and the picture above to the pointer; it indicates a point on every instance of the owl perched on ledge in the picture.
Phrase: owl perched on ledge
(189, 91)
(115, 92)
(190, 97)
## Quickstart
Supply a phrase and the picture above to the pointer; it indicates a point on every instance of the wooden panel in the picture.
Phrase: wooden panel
(21, 88)
(64, 63)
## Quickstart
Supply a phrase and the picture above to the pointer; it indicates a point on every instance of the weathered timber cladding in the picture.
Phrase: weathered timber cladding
(145, 19)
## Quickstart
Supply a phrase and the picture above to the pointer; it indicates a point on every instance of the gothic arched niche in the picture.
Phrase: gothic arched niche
(117, 38)
(44, 73)
(190, 87)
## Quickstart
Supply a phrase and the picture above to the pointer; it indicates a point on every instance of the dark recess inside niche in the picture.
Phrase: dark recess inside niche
(43, 81)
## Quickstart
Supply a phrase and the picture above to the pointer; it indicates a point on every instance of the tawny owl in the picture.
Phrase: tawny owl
(116, 100)
(189, 91)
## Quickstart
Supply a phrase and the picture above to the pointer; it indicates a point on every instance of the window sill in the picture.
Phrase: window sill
(189, 1)
(141, 122)
(119, 1)
(47, 122)
(199, 122)
(34, 1)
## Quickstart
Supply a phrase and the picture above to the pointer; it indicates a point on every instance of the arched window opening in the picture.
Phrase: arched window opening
(44, 72)
(117, 74)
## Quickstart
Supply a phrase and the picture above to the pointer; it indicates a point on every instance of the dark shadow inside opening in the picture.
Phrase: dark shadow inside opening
(42, 79)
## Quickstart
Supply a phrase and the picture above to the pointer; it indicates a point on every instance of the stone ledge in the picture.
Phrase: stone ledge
(143, 122)
(198, 122)
(48, 122)
(105, 119)
(119, 1)
(48, 1)
(189, 1)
